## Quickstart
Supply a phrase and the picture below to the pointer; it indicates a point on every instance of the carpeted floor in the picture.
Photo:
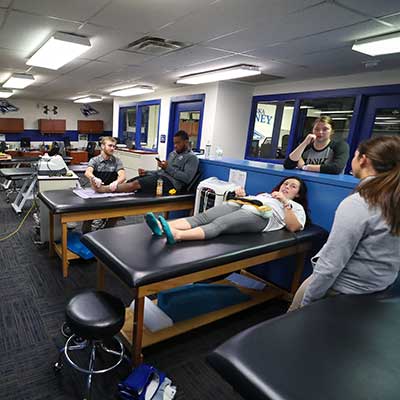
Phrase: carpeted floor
(33, 295)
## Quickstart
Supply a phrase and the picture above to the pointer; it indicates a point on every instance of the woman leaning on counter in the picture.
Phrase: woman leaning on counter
(319, 151)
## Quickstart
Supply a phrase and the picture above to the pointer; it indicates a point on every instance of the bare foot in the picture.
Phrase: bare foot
(175, 233)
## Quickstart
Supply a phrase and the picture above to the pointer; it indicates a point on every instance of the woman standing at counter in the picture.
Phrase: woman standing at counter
(318, 152)
(362, 252)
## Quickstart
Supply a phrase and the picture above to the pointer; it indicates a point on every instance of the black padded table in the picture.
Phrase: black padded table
(339, 348)
(14, 174)
(72, 208)
(27, 160)
(147, 265)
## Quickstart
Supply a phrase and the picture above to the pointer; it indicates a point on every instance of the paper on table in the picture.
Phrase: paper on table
(245, 281)
(155, 319)
(90, 193)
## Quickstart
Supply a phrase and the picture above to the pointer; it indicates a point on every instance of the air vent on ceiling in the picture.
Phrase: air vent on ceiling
(154, 46)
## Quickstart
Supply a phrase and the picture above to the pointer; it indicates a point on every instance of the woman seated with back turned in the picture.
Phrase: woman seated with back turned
(285, 207)
(362, 253)
(318, 152)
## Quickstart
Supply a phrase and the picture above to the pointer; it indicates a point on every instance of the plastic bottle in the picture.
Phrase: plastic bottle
(207, 153)
(159, 188)
(219, 153)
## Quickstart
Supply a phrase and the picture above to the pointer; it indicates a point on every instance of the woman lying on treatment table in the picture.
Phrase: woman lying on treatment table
(285, 207)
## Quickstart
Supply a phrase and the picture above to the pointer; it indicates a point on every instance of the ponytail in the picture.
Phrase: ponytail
(383, 190)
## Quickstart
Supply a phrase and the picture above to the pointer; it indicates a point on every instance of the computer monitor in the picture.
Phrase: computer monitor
(25, 143)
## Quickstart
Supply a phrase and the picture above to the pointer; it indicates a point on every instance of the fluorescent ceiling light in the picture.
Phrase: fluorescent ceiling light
(19, 81)
(59, 50)
(339, 119)
(387, 122)
(89, 99)
(338, 112)
(132, 91)
(383, 44)
(5, 93)
(237, 71)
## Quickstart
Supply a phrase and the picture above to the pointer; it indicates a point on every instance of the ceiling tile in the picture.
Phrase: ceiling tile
(5, 3)
(227, 16)
(339, 38)
(288, 27)
(144, 15)
(122, 57)
(76, 10)
(373, 8)
(26, 33)
(12, 59)
(105, 40)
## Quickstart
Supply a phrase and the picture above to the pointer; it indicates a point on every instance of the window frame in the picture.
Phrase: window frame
(138, 105)
(360, 94)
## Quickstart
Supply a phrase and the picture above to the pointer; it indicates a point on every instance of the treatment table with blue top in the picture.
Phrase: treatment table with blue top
(69, 207)
(147, 265)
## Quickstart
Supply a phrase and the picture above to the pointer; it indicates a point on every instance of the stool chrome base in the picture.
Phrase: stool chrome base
(75, 343)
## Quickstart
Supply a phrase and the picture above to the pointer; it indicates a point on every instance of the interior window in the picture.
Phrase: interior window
(271, 130)
(387, 122)
(149, 126)
(139, 128)
(340, 109)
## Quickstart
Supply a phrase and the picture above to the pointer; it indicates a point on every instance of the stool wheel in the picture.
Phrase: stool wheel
(57, 367)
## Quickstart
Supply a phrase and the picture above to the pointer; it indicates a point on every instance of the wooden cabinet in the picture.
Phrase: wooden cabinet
(91, 126)
(52, 125)
(78, 156)
(11, 125)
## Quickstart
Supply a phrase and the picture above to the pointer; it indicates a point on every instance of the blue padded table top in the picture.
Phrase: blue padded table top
(138, 258)
(344, 347)
(16, 173)
(66, 201)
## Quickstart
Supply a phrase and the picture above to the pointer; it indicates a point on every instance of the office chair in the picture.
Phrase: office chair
(266, 150)
(192, 186)
(91, 148)
(3, 146)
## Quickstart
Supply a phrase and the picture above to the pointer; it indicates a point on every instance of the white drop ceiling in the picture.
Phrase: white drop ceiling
(292, 39)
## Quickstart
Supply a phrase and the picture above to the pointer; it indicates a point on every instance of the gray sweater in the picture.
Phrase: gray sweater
(181, 170)
(360, 255)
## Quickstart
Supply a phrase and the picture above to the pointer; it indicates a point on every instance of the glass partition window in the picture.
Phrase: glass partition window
(189, 122)
(149, 126)
(271, 130)
(387, 122)
(339, 109)
(139, 128)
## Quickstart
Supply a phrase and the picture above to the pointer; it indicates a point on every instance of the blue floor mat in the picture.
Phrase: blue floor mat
(76, 246)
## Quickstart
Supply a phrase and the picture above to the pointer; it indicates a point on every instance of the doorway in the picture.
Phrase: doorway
(187, 115)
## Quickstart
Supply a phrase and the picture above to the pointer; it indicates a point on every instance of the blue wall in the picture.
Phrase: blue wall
(36, 136)
(325, 192)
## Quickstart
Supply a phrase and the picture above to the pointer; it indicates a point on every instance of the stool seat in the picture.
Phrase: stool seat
(95, 315)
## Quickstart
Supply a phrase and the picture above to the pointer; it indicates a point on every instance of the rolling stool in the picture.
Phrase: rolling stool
(93, 316)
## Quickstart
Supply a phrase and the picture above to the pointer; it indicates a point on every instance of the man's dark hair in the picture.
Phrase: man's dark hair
(182, 134)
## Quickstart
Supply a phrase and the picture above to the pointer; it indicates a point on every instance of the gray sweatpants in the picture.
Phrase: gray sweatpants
(227, 218)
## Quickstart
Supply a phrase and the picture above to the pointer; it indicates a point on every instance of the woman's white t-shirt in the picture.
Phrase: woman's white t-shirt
(277, 220)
